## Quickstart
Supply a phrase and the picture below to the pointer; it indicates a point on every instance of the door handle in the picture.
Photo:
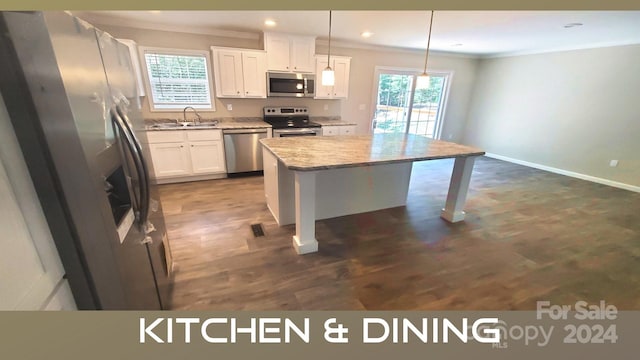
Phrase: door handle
(141, 168)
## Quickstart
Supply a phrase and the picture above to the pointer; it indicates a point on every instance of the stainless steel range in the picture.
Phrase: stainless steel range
(291, 121)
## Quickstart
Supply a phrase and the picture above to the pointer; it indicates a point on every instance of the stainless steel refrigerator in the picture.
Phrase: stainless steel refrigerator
(70, 92)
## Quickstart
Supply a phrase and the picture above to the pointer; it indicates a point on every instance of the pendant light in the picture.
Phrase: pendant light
(328, 76)
(423, 79)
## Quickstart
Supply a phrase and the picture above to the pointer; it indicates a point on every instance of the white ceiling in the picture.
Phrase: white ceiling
(481, 33)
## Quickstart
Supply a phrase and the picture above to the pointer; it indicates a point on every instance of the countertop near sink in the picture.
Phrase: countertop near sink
(331, 121)
(223, 123)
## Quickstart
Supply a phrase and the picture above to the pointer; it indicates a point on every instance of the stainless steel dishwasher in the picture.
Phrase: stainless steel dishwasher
(243, 151)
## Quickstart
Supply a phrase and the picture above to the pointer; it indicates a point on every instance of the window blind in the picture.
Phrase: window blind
(177, 81)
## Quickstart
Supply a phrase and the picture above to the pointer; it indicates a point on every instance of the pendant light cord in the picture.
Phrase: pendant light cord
(426, 58)
(329, 52)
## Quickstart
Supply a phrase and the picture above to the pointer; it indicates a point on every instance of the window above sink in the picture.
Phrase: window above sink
(177, 78)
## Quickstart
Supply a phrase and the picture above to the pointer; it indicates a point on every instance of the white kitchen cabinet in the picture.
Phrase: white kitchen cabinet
(302, 51)
(290, 53)
(341, 66)
(228, 70)
(254, 74)
(239, 73)
(347, 130)
(187, 155)
(206, 157)
(170, 159)
(278, 52)
(135, 62)
(330, 130)
(338, 130)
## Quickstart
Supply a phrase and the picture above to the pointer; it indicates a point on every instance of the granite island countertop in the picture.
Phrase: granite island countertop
(208, 124)
(307, 153)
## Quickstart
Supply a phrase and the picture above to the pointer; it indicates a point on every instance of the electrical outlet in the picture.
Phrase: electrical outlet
(613, 163)
(326, 107)
(450, 136)
(229, 107)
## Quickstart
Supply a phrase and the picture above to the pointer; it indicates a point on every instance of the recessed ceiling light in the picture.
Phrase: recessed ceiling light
(270, 22)
(155, 11)
(457, 44)
(366, 34)
(572, 25)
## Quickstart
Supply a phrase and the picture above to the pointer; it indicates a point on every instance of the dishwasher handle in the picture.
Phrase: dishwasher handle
(245, 131)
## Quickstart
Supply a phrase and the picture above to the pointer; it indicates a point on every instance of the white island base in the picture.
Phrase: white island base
(302, 197)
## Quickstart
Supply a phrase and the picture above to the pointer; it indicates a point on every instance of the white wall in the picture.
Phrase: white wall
(573, 110)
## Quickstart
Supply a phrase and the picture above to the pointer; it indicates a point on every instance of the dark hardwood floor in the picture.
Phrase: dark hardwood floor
(529, 235)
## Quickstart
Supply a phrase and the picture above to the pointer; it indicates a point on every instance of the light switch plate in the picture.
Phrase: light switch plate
(362, 107)
(229, 107)
(613, 163)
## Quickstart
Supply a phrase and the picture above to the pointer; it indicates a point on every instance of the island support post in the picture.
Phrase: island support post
(458, 187)
(304, 241)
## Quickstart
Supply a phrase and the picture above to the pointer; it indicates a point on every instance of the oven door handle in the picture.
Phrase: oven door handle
(296, 131)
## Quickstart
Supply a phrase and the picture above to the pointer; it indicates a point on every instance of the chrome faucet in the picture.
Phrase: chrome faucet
(184, 115)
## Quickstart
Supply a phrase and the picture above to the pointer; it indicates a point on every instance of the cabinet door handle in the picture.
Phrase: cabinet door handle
(287, 67)
(295, 67)
(238, 92)
(181, 146)
(191, 145)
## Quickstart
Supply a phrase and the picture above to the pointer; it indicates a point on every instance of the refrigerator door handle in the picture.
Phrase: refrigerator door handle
(130, 144)
(144, 183)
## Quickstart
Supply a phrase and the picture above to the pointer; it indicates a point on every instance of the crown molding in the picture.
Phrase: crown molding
(354, 45)
(201, 30)
(147, 25)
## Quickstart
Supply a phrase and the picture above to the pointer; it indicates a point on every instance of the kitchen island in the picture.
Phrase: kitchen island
(309, 178)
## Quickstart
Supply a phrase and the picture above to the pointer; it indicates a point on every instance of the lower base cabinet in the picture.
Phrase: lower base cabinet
(185, 155)
(338, 130)
(170, 159)
(202, 161)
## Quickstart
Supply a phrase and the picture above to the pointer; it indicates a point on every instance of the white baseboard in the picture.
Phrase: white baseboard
(567, 173)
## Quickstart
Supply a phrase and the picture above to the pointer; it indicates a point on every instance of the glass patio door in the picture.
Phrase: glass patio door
(404, 106)
(392, 107)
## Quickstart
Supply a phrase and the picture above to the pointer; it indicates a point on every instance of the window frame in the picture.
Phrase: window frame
(448, 74)
(172, 51)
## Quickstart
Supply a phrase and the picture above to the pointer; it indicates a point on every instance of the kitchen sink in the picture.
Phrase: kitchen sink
(184, 125)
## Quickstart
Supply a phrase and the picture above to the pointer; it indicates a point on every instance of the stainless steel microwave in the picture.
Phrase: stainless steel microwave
(290, 84)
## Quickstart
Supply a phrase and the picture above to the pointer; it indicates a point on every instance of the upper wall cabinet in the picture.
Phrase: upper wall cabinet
(290, 53)
(135, 62)
(341, 66)
(239, 73)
